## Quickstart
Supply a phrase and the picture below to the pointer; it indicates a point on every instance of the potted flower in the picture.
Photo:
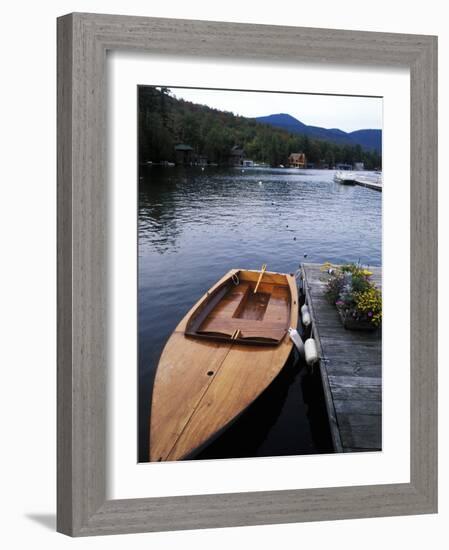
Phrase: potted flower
(357, 299)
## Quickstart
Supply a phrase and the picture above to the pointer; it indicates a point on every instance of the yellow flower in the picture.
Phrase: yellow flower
(370, 302)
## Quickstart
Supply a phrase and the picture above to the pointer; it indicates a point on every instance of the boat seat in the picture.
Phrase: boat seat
(248, 328)
(235, 313)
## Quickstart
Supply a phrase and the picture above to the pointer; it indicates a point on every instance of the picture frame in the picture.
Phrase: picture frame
(83, 40)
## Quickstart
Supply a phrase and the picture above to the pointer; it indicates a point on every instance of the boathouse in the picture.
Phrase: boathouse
(236, 156)
(297, 160)
(183, 154)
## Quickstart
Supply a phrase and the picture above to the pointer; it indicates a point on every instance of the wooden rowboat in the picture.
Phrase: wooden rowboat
(222, 355)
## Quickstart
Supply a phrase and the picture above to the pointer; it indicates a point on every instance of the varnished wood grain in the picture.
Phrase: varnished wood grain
(181, 382)
(244, 374)
(202, 386)
(83, 40)
(231, 310)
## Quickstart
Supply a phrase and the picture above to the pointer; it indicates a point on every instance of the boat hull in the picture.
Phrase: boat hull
(203, 384)
(345, 178)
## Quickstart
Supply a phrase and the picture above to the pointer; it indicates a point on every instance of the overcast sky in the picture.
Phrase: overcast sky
(343, 112)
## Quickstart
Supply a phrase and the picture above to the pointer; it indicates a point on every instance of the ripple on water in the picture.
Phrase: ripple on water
(194, 226)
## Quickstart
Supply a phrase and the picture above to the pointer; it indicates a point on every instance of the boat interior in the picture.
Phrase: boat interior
(234, 312)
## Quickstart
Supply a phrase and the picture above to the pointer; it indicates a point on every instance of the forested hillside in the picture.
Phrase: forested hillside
(165, 121)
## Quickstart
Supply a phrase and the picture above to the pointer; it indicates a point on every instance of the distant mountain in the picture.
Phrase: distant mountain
(368, 139)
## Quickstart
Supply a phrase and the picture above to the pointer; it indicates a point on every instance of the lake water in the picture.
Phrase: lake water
(195, 225)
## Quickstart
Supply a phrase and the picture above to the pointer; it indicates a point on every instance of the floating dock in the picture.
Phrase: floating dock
(350, 366)
(371, 181)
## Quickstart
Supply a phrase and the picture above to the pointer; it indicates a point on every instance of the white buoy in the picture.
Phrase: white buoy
(305, 315)
(310, 352)
(296, 339)
(260, 183)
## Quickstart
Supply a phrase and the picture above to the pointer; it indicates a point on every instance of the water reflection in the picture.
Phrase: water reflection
(258, 208)
(194, 225)
(280, 422)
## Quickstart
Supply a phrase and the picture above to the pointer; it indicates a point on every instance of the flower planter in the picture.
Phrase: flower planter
(357, 299)
(350, 323)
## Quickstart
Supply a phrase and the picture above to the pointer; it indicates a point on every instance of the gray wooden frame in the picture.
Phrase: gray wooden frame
(83, 40)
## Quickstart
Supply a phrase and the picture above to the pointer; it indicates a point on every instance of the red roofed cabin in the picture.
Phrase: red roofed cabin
(297, 160)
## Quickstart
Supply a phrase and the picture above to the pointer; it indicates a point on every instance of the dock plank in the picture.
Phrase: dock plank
(350, 366)
(344, 407)
(361, 431)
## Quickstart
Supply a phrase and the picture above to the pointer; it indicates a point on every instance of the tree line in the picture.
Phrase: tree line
(165, 121)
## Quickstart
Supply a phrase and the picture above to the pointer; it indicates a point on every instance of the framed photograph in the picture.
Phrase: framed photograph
(247, 274)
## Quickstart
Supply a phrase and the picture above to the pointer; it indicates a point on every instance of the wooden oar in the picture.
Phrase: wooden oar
(262, 271)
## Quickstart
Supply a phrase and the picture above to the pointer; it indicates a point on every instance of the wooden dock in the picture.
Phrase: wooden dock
(351, 369)
(369, 182)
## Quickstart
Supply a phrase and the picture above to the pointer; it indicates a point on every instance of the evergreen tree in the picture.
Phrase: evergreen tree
(165, 121)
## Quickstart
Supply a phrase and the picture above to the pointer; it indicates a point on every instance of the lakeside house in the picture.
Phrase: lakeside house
(343, 166)
(297, 160)
(236, 156)
(185, 155)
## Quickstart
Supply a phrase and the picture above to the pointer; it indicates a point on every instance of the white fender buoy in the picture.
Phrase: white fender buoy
(305, 316)
(297, 340)
(310, 352)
